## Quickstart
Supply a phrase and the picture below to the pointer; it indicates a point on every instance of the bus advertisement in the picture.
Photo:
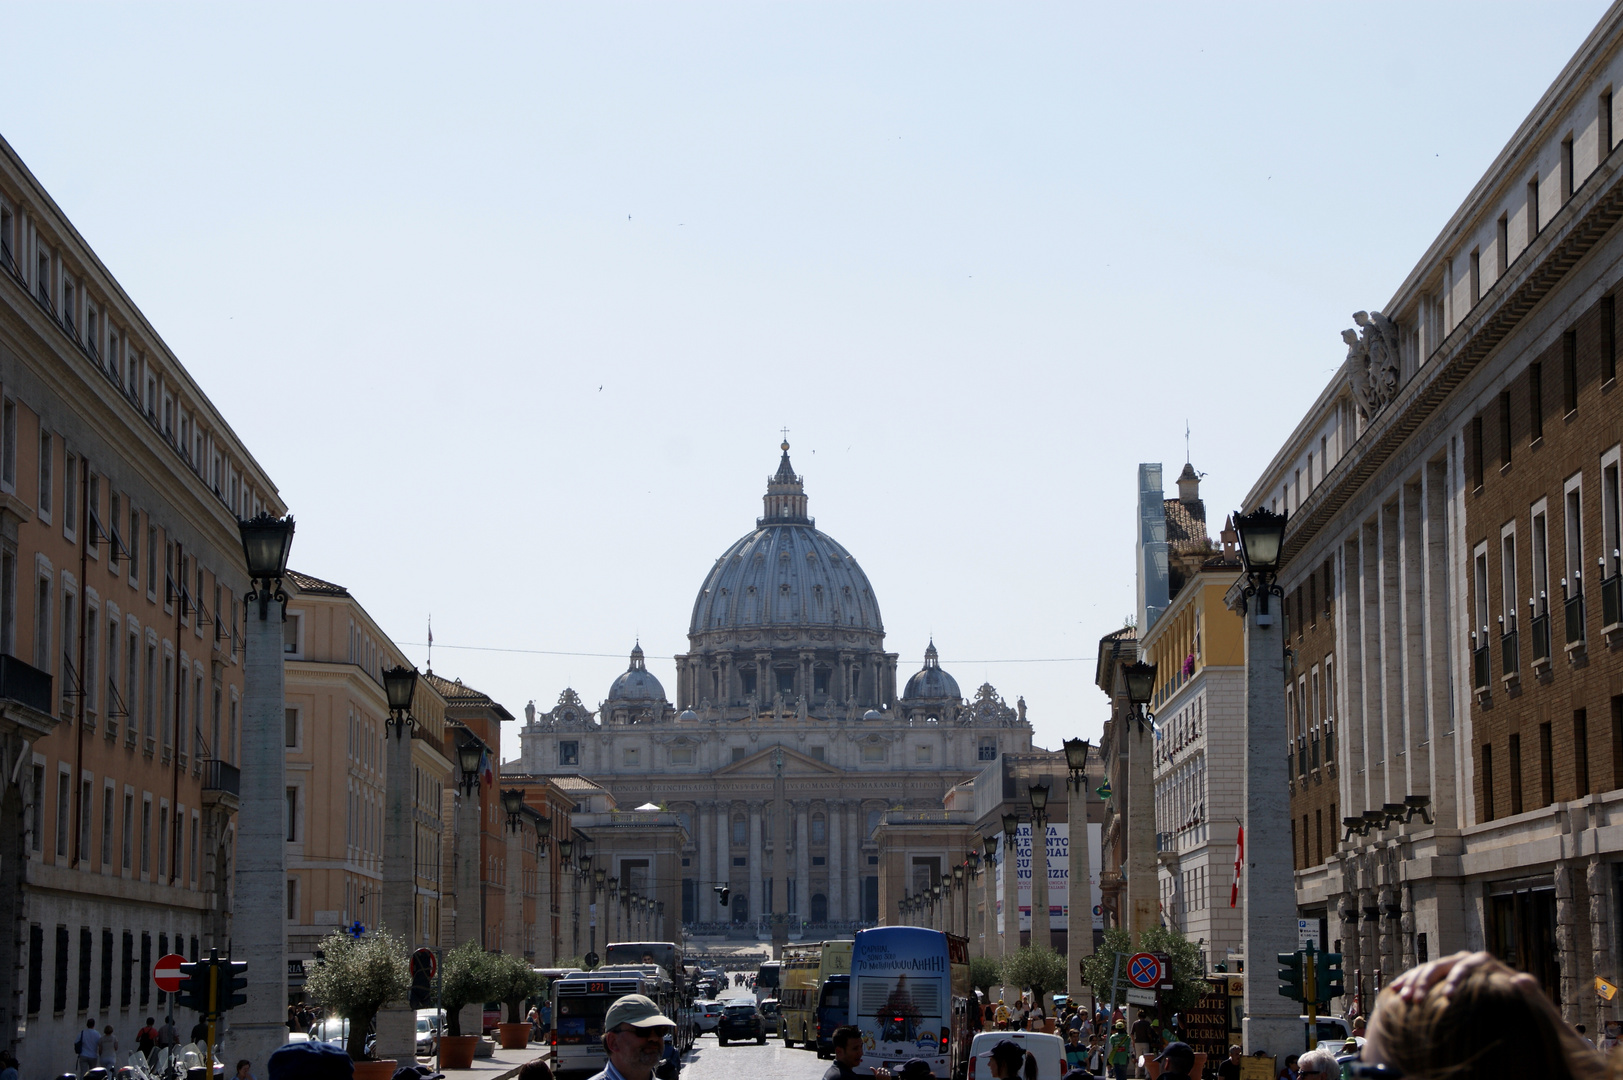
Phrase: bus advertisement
(909, 997)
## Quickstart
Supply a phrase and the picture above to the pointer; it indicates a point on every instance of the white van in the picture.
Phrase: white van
(1049, 1050)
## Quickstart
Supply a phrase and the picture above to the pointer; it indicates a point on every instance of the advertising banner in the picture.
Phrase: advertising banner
(1059, 873)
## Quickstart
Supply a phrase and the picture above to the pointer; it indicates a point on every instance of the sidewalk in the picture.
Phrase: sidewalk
(502, 1065)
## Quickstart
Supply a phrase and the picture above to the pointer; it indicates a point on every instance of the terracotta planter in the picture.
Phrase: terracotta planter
(514, 1036)
(456, 1051)
(375, 1070)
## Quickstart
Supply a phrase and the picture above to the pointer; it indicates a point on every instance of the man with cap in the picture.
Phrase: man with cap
(634, 1033)
(1178, 1059)
(310, 1061)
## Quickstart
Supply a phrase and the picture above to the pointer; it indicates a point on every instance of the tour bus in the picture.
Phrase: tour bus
(909, 998)
(766, 981)
(581, 998)
(802, 972)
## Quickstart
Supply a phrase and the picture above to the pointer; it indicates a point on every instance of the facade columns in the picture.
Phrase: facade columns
(836, 862)
(724, 855)
(260, 918)
(1143, 871)
(546, 947)
(857, 821)
(708, 908)
(757, 893)
(803, 859)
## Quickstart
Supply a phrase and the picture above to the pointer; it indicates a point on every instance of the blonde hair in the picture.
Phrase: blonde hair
(1489, 1022)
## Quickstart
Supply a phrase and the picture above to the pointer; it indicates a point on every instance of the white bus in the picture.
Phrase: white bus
(909, 997)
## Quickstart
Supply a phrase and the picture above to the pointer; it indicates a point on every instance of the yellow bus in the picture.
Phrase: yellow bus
(805, 968)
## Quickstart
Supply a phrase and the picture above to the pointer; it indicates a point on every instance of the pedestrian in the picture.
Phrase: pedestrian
(1001, 1015)
(546, 1017)
(634, 1033)
(1289, 1071)
(534, 1070)
(1230, 1068)
(1318, 1064)
(84, 1047)
(1583, 1033)
(1119, 1051)
(1076, 1052)
(847, 1042)
(1143, 1042)
(244, 1072)
(200, 1031)
(1006, 1060)
(8, 1065)
(1177, 1059)
(670, 1062)
(309, 1061)
(107, 1049)
(1469, 1016)
(1358, 1025)
(147, 1038)
(168, 1037)
(416, 1072)
(1609, 1039)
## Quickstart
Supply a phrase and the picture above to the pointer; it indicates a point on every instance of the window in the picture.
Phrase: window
(129, 830)
(1515, 774)
(292, 899)
(569, 753)
(1608, 338)
(921, 755)
(1580, 752)
(1566, 169)
(163, 842)
(1502, 245)
(1504, 429)
(42, 624)
(290, 724)
(1540, 600)
(681, 755)
(988, 750)
(146, 835)
(1479, 627)
(819, 829)
(64, 796)
(740, 830)
(1611, 512)
(37, 826)
(8, 443)
(290, 814)
(45, 478)
(630, 756)
(1476, 298)
(1476, 453)
(1546, 765)
(1485, 810)
(873, 752)
(152, 557)
(818, 753)
(786, 681)
(1532, 209)
(1604, 123)
(70, 494)
(291, 628)
(1574, 496)
(86, 795)
(1535, 401)
(1507, 579)
(738, 753)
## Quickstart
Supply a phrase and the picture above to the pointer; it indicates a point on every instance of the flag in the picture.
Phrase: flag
(1239, 861)
(485, 767)
(1103, 791)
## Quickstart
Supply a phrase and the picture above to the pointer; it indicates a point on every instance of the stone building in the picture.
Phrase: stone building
(787, 740)
(1452, 581)
(121, 682)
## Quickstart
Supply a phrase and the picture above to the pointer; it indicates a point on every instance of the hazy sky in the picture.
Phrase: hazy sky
(512, 301)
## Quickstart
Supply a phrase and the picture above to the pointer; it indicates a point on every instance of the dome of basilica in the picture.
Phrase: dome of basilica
(638, 683)
(931, 681)
(785, 573)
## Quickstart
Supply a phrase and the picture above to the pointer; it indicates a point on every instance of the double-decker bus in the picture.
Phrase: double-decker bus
(909, 997)
(766, 981)
(581, 999)
(804, 969)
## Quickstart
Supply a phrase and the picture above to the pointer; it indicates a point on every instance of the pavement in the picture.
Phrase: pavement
(501, 1065)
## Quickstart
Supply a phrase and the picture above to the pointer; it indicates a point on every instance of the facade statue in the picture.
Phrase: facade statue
(1374, 361)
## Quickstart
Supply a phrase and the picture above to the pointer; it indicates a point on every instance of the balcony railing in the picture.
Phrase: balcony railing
(1510, 657)
(1301, 755)
(1479, 667)
(25, 684)
(1611, 600)
(1541, 637)
(1575, 618)
(222, 776)
(1313, 751)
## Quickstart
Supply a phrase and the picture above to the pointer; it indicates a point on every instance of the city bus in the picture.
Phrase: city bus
(802, 973)
(910, 998)
(766, 981)
(673, 961)
(579, 1001)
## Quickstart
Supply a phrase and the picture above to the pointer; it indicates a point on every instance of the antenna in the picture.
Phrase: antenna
(430, 664)
(1186, 439)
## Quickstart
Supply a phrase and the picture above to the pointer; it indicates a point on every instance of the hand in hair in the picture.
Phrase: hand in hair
(1452, 971)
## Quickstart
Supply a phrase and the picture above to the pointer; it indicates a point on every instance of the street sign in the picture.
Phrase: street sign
(1141, 997)
(1144, 971)
(166, 972)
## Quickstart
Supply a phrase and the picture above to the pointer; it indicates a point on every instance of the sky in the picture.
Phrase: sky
(512, 302)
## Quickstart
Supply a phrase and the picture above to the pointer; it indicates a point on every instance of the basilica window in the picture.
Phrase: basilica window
(988, 750)
(874, 752)
(681, 755)
(569, 753)
(630, 756)
(819, 829)
(818, 753)
(921, 755)
(740, 830)
(747, 677)
(820, 681)
(738, 753)
(786, 681)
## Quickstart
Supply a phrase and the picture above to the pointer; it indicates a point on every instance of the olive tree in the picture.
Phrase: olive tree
(469, 975)
(1034, 967)
(359, 976)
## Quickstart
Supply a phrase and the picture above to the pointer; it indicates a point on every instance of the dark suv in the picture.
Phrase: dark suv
(741, 1020)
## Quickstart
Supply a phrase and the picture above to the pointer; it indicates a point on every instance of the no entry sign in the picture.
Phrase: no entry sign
(1144, 971)
(166, 972)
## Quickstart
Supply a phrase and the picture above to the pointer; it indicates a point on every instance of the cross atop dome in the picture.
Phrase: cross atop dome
(785, 499)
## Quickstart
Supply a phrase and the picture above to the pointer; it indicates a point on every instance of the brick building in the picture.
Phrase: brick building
(1451, 580)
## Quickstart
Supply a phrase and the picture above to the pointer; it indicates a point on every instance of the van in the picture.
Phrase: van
(1049, 1050)
(1330, 1029)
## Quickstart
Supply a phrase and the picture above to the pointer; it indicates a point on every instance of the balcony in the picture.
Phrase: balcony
(1510, 655)
(1575, 620)
(25, 684)
(222, 784)
(1480, 664)
(1541, 640)
(1611, 603)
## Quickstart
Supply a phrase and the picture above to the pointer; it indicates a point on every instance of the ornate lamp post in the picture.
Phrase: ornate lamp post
(1038, 794)
(399, 688)
(1268, 905)
(260, 919)
(1143, 875)
(958, 887)
(989, 946)
(1011, 887)
(598, 879)
(1079, 904)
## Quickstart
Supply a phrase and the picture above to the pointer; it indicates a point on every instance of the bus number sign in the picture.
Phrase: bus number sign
(597, 988)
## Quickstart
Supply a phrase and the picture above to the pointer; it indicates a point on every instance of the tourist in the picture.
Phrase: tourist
(84, 1047)
(147, 1038)
(1318, 1065)
(1119, 1051)
(848, 1055)
(1177, 1059)
(634, 1033)
(1230, 1068)
(107, 1049)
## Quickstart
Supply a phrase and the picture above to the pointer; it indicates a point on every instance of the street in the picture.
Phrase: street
(710, 1061)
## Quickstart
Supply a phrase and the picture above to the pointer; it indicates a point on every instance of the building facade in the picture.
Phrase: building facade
(1452, 580)
(121, 571)
(786, 699)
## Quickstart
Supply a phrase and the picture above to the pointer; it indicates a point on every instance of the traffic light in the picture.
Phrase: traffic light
(722, 893)
(1331, 982)
(194, 987)
(233, 984)
(422, 979)
(1290, 975)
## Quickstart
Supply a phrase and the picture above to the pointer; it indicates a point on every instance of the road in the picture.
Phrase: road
(745, 1061)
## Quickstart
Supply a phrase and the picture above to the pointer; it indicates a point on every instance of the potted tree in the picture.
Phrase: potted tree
(469, 976)
(359, 976)
(520, 982)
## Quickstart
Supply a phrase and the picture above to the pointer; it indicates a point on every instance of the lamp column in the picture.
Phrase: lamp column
(1010, 864)
(1040, 934)
(470, 916)
(989, 946)
(397, 907)
(1079, 903)
(259, 933)
(513, 875)
(1268, 887)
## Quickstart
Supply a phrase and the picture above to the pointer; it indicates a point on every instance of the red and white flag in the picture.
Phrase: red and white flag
(1239, 861)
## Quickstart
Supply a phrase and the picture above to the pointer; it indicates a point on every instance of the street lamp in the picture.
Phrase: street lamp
(989, 849)
(1011, 825)
(469, 754)
(1038, 794)
(1140, 679)
(1076, 760)
(1262, 538)
(543, 830)
(565, 847)
(513, 804)
(1079, 931)
(265, 544)
(399, 687)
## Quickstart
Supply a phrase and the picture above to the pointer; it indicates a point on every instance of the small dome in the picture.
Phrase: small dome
(931, 681)
(637, 684)
(688, 714)
(873, 714)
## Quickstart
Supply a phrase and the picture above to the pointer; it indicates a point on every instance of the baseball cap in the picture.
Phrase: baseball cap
(915, 1069)
(1177, 1050)
(638, 1010)
(310, 1061)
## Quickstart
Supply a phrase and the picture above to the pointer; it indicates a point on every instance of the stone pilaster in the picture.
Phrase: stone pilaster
(757, 894)
(1598, 884)
(513, 900)
(836, 862)
(1039, 885)
(1567, 916)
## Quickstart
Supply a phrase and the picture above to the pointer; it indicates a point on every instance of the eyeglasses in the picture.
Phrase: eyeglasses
(645, 1033)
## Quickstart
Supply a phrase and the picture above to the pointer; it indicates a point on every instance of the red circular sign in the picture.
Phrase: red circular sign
(1144, 971)
(166, 972)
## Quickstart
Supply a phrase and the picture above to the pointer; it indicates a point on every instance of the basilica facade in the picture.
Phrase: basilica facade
(787, 740)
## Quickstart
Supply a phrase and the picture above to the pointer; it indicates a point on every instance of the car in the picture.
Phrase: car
(1049, 1050)
(492, 1017)
(741, 1020)
(769, 1013)
(428, 1031)
(335, 1030)
(707, 1014)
